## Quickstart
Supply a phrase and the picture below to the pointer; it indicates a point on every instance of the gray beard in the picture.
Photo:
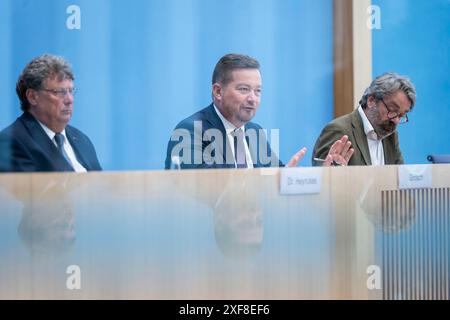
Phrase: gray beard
(384, 131)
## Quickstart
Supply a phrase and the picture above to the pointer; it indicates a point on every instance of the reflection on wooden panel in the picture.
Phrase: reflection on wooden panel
(223, 234)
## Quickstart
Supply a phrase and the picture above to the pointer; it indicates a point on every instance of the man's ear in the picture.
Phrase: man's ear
(217, 91)
(371, 101)
(31, 96)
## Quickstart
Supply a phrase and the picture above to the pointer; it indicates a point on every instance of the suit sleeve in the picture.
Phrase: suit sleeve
(95, 163)
(14, 157)
(270, 157)
(398, 152)
(181, 147)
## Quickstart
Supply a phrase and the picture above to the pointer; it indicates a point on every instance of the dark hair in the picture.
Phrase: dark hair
(387, 84)
(36, 71)
(229, 63)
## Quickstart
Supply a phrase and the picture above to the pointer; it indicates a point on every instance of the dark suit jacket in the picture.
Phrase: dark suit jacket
(351, 125)
(25, 147)
(187, 143)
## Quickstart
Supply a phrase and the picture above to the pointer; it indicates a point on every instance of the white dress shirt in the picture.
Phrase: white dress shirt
(375, 144)
(67, 147)
(229, 128)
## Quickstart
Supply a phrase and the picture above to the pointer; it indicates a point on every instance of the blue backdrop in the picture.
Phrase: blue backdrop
(414, 40)
(141, 66)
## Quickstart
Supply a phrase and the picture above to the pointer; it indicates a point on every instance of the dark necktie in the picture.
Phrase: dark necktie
(239, 148)
(59, 138)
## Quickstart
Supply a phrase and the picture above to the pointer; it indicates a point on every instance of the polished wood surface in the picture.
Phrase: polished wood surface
(352, 53)
(223, 234)
(343, 77)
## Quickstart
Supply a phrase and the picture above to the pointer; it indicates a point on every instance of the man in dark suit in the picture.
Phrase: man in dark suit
(41, 139)
(372, 127)
(222, 135)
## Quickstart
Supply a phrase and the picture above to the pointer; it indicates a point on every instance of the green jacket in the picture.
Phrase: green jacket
(351, 125)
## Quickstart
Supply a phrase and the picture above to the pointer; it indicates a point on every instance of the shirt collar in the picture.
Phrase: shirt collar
(50, 133)
(368, 128)
(229, 127)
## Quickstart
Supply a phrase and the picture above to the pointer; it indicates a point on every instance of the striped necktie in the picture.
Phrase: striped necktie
(59, 138)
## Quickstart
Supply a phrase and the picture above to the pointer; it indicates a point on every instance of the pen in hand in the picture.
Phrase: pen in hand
(334, 163)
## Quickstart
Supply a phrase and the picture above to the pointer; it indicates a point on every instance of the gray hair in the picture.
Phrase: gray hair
(229, 63)
(387, 84)
(36, 71)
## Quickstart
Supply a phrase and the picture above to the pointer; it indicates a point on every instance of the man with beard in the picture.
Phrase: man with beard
(371, 128)
(222, 135)
(41, 139)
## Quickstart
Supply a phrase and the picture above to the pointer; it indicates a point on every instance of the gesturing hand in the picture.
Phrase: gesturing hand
(340, 152)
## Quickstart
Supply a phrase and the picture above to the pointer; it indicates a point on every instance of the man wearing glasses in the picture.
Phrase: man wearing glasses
(41, 139)
(372, 127)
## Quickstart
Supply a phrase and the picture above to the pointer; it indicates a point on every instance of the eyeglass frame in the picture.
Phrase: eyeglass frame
(397, 115)
(59, 91)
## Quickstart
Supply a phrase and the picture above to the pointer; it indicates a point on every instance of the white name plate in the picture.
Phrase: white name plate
(414, 176)
(300, 180)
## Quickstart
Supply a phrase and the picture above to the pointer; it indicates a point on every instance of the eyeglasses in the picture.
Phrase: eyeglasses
(61, 92)
(392, 114)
